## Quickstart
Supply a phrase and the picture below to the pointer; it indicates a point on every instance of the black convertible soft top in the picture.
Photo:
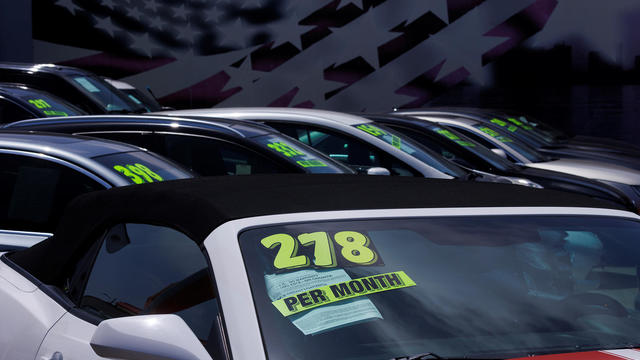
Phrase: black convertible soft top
(197, 206)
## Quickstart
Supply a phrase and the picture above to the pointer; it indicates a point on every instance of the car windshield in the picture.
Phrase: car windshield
(505, 137)
(553, 135)
(300, 155)
(106, 95)
(406, 145)
(140, 98)
(457, 286)
(140, 167)
(45, 104)
(467, 144)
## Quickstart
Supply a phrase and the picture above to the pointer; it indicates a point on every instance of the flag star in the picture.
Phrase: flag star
(108, 3)
(143, 44)
(69, 5)
(234, 34)
(288, 29)
(214, 14)
(180, 12)
(251, 3)
(187, 33)
(357, 3)
(134, 13)
(157, 23)
(151, 4)
(363, 34)
(107, 25)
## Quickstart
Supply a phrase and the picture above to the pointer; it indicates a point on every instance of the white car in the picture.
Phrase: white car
(325, 267)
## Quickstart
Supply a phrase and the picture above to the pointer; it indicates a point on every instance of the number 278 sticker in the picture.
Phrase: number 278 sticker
(354, 249)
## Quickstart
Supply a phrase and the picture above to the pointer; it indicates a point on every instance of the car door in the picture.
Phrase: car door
(136, 269)
(34, 190)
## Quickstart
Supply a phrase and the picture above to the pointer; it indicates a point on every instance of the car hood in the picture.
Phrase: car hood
(592, 169)
(603, 143)
(628, 354)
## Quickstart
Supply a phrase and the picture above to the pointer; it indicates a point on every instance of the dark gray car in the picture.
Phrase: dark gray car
(40, 173)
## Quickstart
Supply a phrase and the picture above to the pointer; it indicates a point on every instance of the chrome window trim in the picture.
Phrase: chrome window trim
(59, 162)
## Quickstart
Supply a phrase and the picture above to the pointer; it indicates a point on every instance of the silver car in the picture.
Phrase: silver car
(625, 179)
(354, 140)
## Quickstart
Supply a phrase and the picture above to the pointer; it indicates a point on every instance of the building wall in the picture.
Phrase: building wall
(573, 63)
(15, 30)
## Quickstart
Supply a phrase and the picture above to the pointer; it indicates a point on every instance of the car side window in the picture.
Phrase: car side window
(34, 192)
(10, 112)
(344, 148)
(209, 156)
(142, 269)
(203, 155)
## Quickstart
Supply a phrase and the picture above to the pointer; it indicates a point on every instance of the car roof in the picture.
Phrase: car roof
(266, 113)
(455, 110)
(61, 145)
(197, 206)
(48, 68)
(236, 128)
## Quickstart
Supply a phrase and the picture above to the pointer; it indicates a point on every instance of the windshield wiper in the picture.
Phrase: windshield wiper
(424, 356)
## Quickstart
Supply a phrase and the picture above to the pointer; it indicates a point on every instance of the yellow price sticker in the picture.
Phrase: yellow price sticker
(329, 294)
(347, 248)
(138, 173)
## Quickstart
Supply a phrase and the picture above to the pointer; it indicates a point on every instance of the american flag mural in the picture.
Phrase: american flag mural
(371, 55)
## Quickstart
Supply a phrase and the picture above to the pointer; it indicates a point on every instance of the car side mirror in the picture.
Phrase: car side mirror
(500, 153)
(164, 336)
(378, 171)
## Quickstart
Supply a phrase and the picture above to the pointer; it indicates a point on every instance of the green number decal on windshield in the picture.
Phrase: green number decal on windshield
(373, 130)
(285, 149)
(138, 173)
(519, 123)
(451, 136)
(353, 249)
(396, 142)
(494, 134)
(39, 103)
(311, 163)
(55, 113)
(510, 127)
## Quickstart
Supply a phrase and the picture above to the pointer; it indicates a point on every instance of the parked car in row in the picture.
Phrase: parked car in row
(19, 102)
(206, 147)
(545, 139)
(365, 267)
(145, 99)
(466, 152)
(353, 140)
(41, 173)
(624, 179)
(81, 88)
